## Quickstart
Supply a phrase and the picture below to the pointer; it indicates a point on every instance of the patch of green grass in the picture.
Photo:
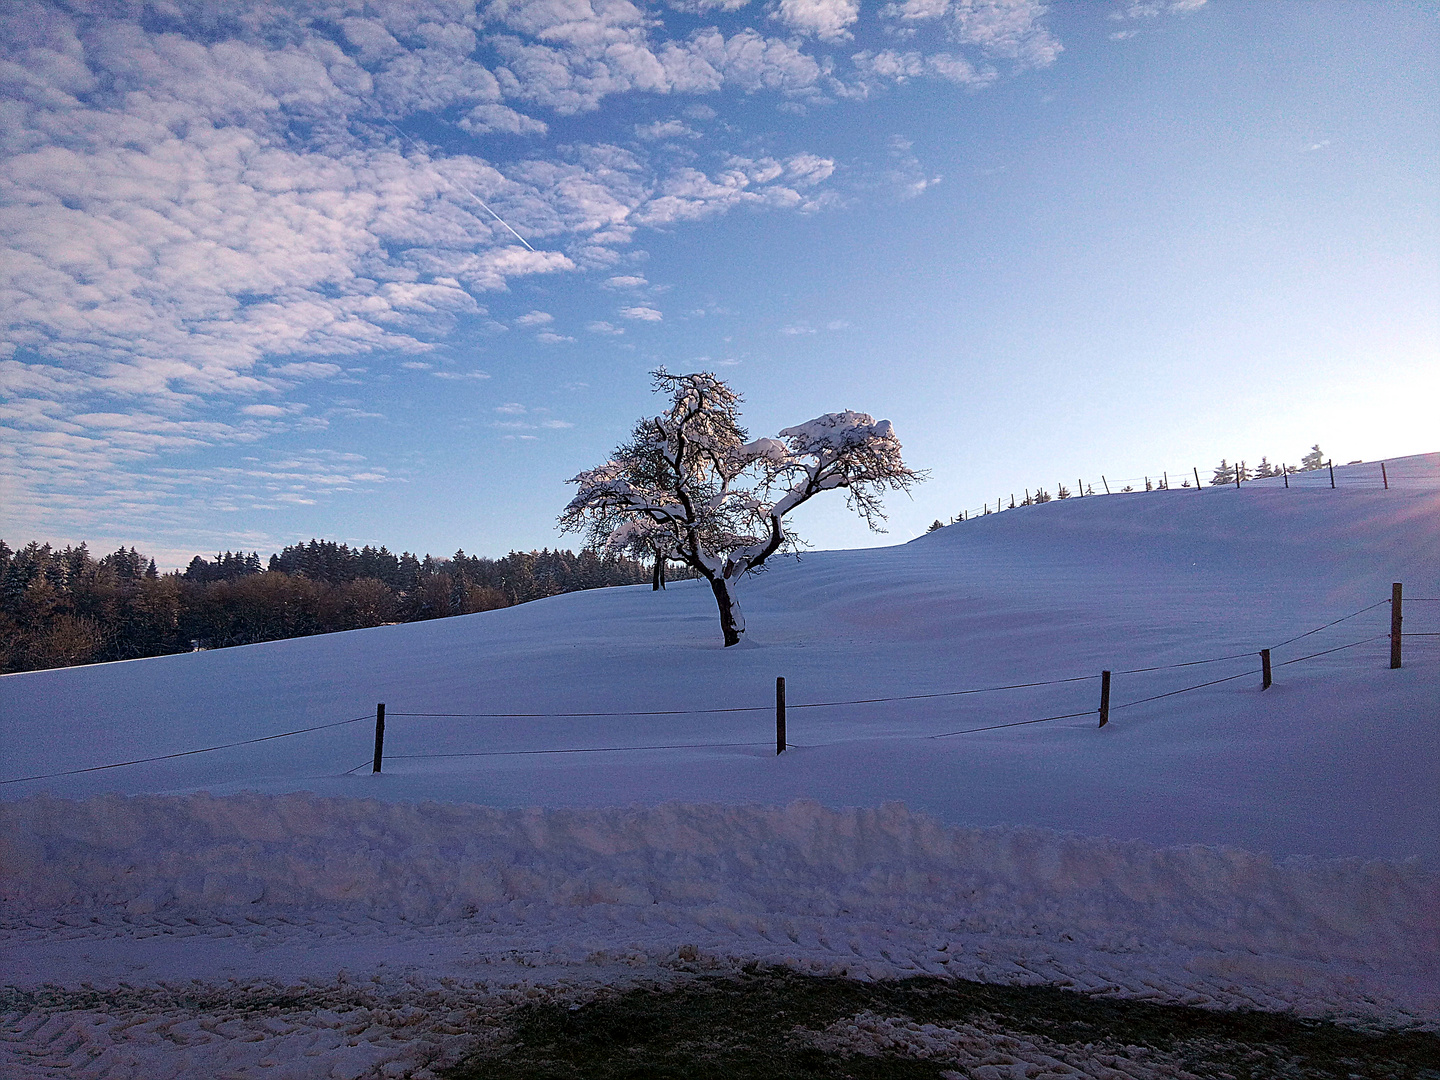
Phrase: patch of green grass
(768, 1024)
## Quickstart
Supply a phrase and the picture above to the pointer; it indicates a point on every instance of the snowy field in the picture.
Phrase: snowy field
(1225, 846)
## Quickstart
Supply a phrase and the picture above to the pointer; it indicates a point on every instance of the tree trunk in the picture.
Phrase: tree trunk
(732, 623)
(657, 575)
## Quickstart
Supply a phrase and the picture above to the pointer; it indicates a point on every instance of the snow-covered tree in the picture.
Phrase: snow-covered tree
(1315, 459)
(717, 501)
(1265, 469)
(1224, 474)
(1062, 492)
(1242, 471)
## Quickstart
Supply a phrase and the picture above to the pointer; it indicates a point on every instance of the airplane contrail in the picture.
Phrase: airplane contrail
(462, 187)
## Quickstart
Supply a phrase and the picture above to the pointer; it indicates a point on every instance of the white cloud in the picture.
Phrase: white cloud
(754, 62)
(501, 119)
(644, 314)
(688, 194)
(626, 281)
(264, 410)
(455, 375)
(1010, 29)
(511, 408)
(665, 129)
(828, 20)
(548, 337)
(1149, 9)
(602, 327)
(701, 7)
(308, 369)
(797, 328)
(535, 318)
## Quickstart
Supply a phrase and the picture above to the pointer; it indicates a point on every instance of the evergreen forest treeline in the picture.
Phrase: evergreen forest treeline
(60, 607)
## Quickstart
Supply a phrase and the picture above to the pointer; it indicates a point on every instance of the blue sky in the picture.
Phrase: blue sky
(251, 292)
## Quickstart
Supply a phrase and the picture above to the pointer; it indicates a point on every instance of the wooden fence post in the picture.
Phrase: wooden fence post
(1384, 476)
(1265, 669)
(780, 714)
(1395, 616)
(1197, 477)
(379, 736)
(1285, 472)
(1106, 483)
(1104, 698)
(1331, 463)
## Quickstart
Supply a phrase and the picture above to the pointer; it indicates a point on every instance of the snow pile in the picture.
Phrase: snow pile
(897, 892)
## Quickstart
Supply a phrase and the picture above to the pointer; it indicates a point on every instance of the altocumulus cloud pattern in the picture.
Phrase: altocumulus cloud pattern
(207, 206)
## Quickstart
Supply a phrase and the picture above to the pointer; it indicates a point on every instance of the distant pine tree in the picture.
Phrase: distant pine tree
(1242, 473)
(1224, 474)
(1265, 469)
(936, 524)
(1041, 495)
(1062, 492)
(1315, 459)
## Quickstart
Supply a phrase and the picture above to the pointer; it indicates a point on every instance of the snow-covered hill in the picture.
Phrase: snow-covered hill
(1338, 758)
(1050, 852)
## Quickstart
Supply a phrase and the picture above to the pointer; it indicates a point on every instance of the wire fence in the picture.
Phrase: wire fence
(1398, 474)
(375, 761)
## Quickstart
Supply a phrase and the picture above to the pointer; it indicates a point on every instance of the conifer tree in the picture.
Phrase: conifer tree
(1315, 459)
(1264, 469)
(1224, 474)
(1242, 473)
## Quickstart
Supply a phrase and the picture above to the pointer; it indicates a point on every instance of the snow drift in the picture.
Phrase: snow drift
(901, 892)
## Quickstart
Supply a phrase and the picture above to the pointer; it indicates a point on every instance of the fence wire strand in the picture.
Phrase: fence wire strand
(188, 753)
(572, 750)
(1336, 622)
(1015, 723)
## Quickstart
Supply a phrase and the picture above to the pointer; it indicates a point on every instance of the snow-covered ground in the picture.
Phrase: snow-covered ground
(1057, 851)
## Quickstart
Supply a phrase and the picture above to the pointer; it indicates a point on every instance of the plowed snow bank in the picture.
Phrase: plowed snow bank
(865, 891)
